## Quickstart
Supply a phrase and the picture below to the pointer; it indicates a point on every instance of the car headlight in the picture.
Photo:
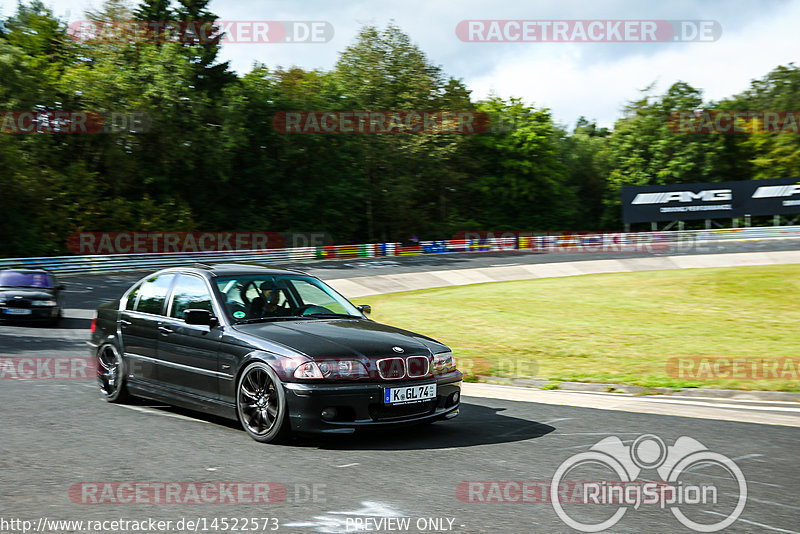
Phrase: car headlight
(333, 369)
(44, 303)
(444, 362)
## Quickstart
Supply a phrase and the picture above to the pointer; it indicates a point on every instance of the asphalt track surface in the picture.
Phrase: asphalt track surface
(57, 433)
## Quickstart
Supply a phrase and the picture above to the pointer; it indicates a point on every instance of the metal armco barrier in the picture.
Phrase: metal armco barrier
(653, 242)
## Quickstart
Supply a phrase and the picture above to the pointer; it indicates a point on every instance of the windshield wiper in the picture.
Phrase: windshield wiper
(267, 319)
(324, 315)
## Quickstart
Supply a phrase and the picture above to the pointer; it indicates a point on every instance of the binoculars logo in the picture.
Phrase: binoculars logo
(648, 452)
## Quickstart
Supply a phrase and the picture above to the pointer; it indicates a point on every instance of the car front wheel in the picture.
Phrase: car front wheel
(261, 404)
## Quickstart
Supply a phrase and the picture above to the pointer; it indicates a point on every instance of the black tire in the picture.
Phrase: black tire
(111, 374)
(261, 404)
(57, 319)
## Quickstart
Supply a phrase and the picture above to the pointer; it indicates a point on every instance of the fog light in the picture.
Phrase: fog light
(329, 414)
(452, 399)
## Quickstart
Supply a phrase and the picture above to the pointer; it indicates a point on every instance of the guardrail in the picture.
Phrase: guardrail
(653, 242)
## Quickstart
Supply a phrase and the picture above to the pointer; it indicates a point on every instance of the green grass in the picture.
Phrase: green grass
(612, 328)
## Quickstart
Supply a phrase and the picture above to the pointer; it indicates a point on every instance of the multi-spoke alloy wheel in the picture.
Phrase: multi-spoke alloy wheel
(110, 374)
(260, 403)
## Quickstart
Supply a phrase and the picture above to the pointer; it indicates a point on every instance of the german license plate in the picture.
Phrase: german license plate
(408, 394)
(17, 311)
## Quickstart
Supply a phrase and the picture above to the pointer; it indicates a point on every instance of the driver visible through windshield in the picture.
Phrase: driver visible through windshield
(259, 297)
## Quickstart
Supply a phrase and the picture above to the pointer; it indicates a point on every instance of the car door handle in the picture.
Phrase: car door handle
(164, 330)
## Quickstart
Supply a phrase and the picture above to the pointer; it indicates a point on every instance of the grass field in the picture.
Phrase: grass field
(619, 328)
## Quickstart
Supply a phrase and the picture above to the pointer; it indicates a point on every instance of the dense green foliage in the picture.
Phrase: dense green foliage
(212, 160)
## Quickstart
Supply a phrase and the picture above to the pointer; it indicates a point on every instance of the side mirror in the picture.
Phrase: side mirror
(200, 317)
(61, 287)
(366, 309)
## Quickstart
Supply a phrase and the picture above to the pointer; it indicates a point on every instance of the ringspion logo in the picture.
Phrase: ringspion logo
(627, 490)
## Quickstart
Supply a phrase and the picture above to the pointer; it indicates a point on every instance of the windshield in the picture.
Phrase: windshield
(23, 279)
(269, 297)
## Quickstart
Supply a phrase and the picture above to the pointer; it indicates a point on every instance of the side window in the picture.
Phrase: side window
(191, 293)
(153, 293)
(131, 304)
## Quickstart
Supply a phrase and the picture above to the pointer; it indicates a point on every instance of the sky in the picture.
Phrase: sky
(572, 79)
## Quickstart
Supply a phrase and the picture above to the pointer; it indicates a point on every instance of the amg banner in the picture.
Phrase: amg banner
(718, 200)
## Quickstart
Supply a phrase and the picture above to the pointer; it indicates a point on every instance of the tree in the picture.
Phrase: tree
(520, 181)
(408, 176)
(644, 151)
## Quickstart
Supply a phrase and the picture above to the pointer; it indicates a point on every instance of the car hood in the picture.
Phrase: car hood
(331, 338)
(32, 293)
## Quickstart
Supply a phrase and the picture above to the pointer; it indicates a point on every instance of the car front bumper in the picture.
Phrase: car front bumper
(362, 406)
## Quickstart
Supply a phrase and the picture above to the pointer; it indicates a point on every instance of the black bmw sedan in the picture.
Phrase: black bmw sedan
(30, 295)
(278, 350)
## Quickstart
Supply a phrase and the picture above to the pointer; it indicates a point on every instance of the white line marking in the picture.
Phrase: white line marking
(600, 434)
(689, 397)
(704, 465)
(747, 457)
(556, 420)
(762, 525)
(528, 427)
(749, 481)
(749, 498)
(149, 411)
(730, 406)
(656, 396)
(349, 465)
(667, 398)
(374, 509)
(587, 446)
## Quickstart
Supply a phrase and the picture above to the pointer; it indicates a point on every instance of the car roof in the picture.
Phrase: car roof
(229, 269)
